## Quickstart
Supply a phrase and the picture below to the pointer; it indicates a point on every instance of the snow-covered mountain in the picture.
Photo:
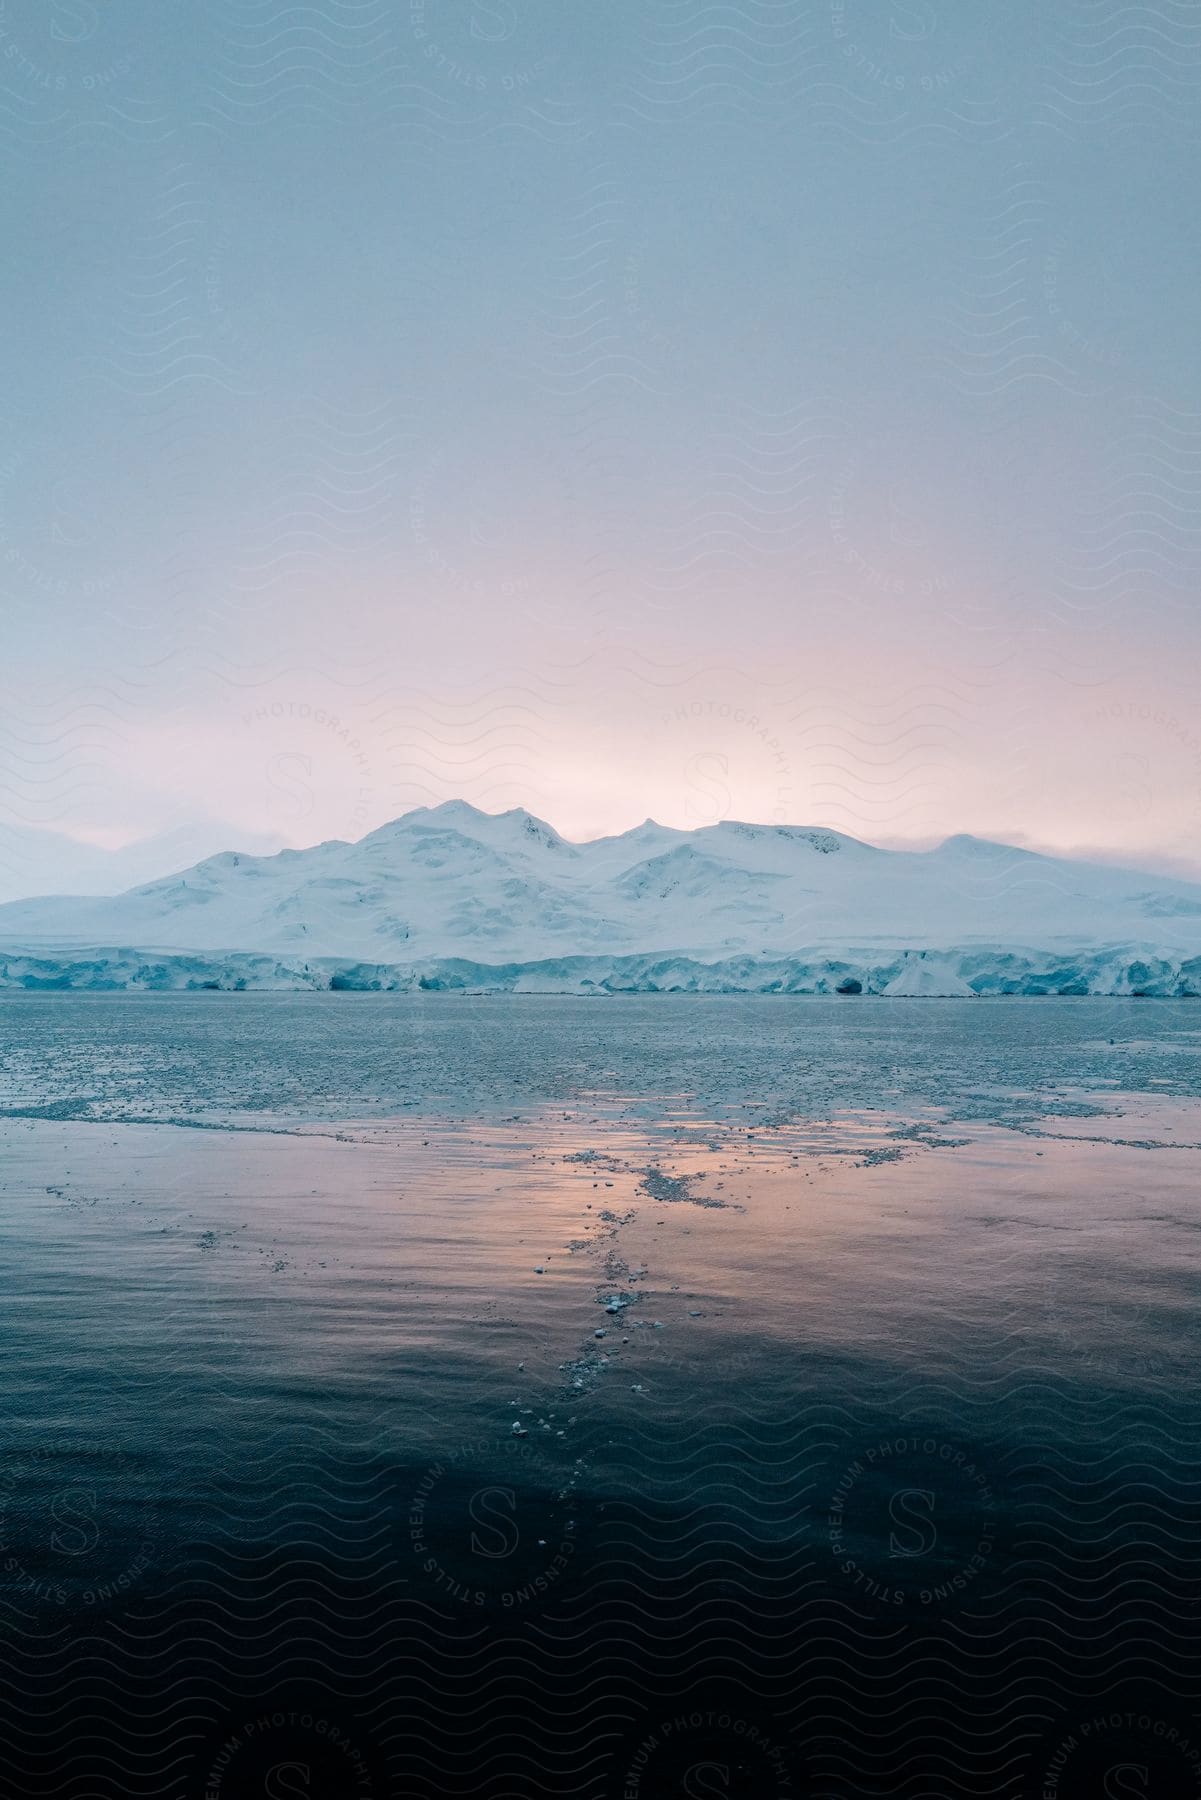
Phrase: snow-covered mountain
(450, 895)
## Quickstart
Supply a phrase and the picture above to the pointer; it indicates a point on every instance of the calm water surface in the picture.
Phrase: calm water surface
(652, 1397)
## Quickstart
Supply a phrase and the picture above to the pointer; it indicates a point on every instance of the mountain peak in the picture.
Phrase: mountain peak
(964, 844)
(490, 828)
(452, 809)
(447, 812)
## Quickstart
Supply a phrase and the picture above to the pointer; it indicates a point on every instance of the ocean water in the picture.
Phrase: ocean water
(652, 1397)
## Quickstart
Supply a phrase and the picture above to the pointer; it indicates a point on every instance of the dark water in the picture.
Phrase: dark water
(884, 1478)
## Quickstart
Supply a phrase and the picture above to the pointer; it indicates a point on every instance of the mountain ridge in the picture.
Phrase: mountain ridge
(453, 884)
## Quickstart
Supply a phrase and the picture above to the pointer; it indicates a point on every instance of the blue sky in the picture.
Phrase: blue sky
(664, 408)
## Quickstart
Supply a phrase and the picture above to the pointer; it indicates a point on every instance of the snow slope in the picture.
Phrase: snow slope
(449, 888)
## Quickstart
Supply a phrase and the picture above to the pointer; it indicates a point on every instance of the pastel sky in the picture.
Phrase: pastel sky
(779, 410)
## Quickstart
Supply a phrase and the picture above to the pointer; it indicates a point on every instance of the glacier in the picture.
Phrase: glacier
(453, 899)
(1120, 971)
